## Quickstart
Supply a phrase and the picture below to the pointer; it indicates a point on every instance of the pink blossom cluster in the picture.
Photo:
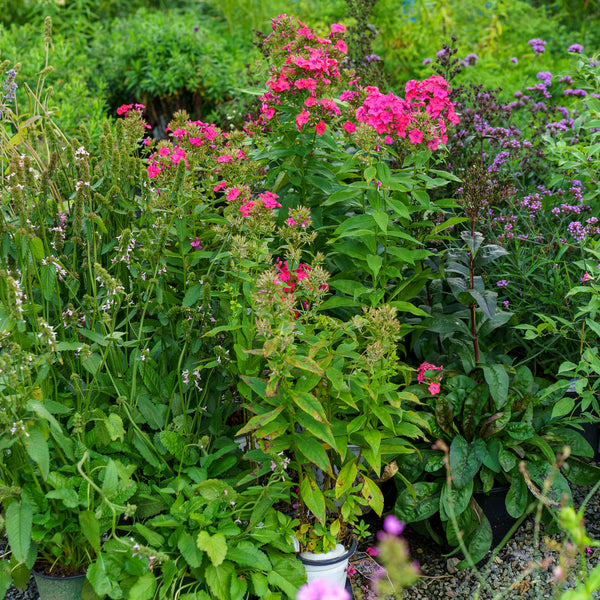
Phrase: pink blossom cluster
(165, 158)
(307, 66)
(288, 278)
(125, 108)
(422, 116)
(434, 384)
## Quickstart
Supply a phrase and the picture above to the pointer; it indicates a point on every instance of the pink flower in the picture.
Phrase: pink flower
(146, 141)
(290, 222)
(322, 589)
(310, 101)
(195, 141)
(178, 155)
(415, 136)
(164, 151)
(224, 158)
(220, 186)
(338, 28)
(423, 367)
(246, 209)
(269, 113)
(586, 277)
(233, 193)
(124, 109)
(349, 127)
(302, 119)
(342, 46)
(153, 170)
(269, 200)
(392, 525)
(320, 127)
(434, 388)
(196, 244)
(372, 551)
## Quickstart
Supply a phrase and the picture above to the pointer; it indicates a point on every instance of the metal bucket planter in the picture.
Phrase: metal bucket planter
(59, 588)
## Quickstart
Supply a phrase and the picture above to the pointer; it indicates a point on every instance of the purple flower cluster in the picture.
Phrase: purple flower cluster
(546, 77)
(576, 48)
(470, 60)
(575, 92)
(537, 45)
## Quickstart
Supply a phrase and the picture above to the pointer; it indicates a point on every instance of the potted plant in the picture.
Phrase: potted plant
(324, 385)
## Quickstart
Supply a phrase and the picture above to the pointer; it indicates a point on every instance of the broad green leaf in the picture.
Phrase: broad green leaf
(214, 545)
(259, 421)
(465, 460)
(345, 478)
(373, 495)
(423, 505)
(478, 543)
(516, 498)
(19, 518)
(90, 527)
(497, 380)
(144, 587)
(5, 577)
(313, 497)
(219, 580)
(239, 587)
(459, 497)
(37, 448)
(247, 555)
(189, 550)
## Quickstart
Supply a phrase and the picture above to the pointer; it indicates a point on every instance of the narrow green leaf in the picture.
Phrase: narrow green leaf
(19, 518)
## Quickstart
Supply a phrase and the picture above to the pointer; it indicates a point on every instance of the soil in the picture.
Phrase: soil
(43, 567)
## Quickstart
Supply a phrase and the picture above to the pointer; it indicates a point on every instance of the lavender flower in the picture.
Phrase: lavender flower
(576, 48)
(515, 60)
(372, 57)
(10, 86)
(470, 60)
(502, 283)
(546, 77)
(392, 525)
(578, 92)
(426, 61)
(537, 45)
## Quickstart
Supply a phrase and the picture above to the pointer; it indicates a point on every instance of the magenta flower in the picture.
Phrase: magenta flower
(320, 127)
(322, 589)
(586, 277)
(434, 388)
(393, 525)
(196, 244)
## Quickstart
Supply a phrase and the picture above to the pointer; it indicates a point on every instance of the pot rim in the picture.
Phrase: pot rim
(331, 561)
(36, 574)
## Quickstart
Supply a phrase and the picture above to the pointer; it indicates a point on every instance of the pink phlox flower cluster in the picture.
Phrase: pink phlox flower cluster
(124, 109)
(421, 116)
(322, 589)
(434, 385)
(289, 278)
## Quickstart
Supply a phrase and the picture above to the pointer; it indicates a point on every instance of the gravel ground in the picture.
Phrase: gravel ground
(511, 567)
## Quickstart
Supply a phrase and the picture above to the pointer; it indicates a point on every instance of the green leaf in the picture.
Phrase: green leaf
(581, 473)
(563, 407)
(214, 545)
(189, 550)
(507, 460)
(312, 450)
(516, 498)
(144, 587)
(37, 448)
(219, 580)
(373, 495)
(19, 518)
(478, 543)
(423, 505)
(101, 582)
(313, 497)
(465, 460)
(37, 249)
(374, 261)
(48, 281)
(239, 586)
(114, 426)
(5, 577)
(345, 478)
(68, 496)
(460, 499)
(192, 295)
(259, 421)
(497, 379)
(246, 554)
(90, 527)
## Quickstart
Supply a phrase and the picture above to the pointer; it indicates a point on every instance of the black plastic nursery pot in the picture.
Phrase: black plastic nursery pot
(589, 431)
(493, 505)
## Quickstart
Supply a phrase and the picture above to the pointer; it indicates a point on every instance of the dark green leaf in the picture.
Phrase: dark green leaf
(465, 460)
(426, 503)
